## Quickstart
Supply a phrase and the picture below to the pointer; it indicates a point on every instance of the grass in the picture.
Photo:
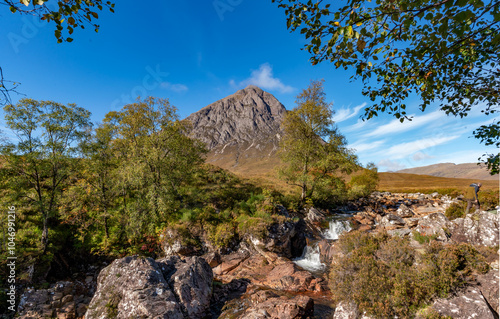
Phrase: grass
(411, 183)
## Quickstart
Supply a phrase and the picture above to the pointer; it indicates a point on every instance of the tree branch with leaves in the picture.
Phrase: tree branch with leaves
(444, 52)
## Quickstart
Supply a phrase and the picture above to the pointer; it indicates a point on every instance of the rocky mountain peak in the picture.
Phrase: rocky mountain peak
(245, 124)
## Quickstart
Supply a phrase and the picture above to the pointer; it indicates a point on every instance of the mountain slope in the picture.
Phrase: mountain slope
(241, 131)
(468, 171)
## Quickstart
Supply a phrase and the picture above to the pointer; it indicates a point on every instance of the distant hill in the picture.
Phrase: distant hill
(241, 131)
(404, 182)
(450, 170)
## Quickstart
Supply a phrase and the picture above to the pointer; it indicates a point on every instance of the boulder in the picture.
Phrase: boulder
(142, 287)
(411, 222)
(230, 262)
(391, 221)
(315, 216)
(488, 285)
(297, 307)
(288, 276)
(426, 210)
(480, 228)
(363, 218)
(57, 301)
(404, 211)
(467, 304)
(286, 239)
(346, 310)
(191, 281)
(174, 243)
(433, 224)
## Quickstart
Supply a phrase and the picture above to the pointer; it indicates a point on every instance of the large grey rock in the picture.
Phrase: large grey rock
(346, 310)
(468, 304)
(488, 285)
(404, 211)
(434, 224)
(391, 221)
(349, 310)
(315, 216)
(286, 239)
(142, 287)
(480, 228)
(174, 243)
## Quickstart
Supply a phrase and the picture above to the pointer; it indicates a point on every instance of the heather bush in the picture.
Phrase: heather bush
(456, 210)
(386, 277)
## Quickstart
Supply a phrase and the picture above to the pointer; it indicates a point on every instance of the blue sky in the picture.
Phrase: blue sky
(196, 52)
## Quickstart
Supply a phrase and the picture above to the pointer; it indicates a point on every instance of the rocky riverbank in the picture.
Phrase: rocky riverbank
(259, 278)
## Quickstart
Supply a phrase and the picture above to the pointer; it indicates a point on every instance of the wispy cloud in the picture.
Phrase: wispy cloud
(264, 78)
(403, 150)
(175, 87)
(356, 127)
(395, 126)
(346, 113)
(421, 156)
(362, 147)
(388, 165)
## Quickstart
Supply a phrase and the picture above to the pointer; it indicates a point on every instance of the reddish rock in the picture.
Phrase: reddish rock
(297, 307)
(290, 277)
(230, 262)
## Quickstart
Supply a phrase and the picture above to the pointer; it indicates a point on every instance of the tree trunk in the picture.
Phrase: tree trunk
(106, 231)
(45, 234)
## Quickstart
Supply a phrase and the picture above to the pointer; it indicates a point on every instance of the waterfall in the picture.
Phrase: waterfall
(337, 227)
(310, 259)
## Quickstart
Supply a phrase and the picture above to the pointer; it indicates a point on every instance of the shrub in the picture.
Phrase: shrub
(255, 226)
(386, 277)
(423, 239)
(221, 235)
(489, 199)
(456, 210)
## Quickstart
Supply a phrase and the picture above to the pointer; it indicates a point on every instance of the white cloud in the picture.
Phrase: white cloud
(420, 156)
(395, 126)
(356, 127)
(403, 150)
(346, 113)
(264, 78)
(361, 147)
(388, 165)
(466, 156)
(179, 88)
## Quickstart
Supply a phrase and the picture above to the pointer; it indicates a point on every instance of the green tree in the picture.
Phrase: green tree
(91, 202)
(442, 51)
(41, 162)
(365, 183)
(156, 159)
(312, 149)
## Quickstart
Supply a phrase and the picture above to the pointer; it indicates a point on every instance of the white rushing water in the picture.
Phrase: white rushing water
(310, 259)
(336, 227)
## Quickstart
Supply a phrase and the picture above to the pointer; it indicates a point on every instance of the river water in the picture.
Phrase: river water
(310, 259)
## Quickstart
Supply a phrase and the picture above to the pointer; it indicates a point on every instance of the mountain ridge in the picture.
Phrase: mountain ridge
(451, 170)
(241, 130)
